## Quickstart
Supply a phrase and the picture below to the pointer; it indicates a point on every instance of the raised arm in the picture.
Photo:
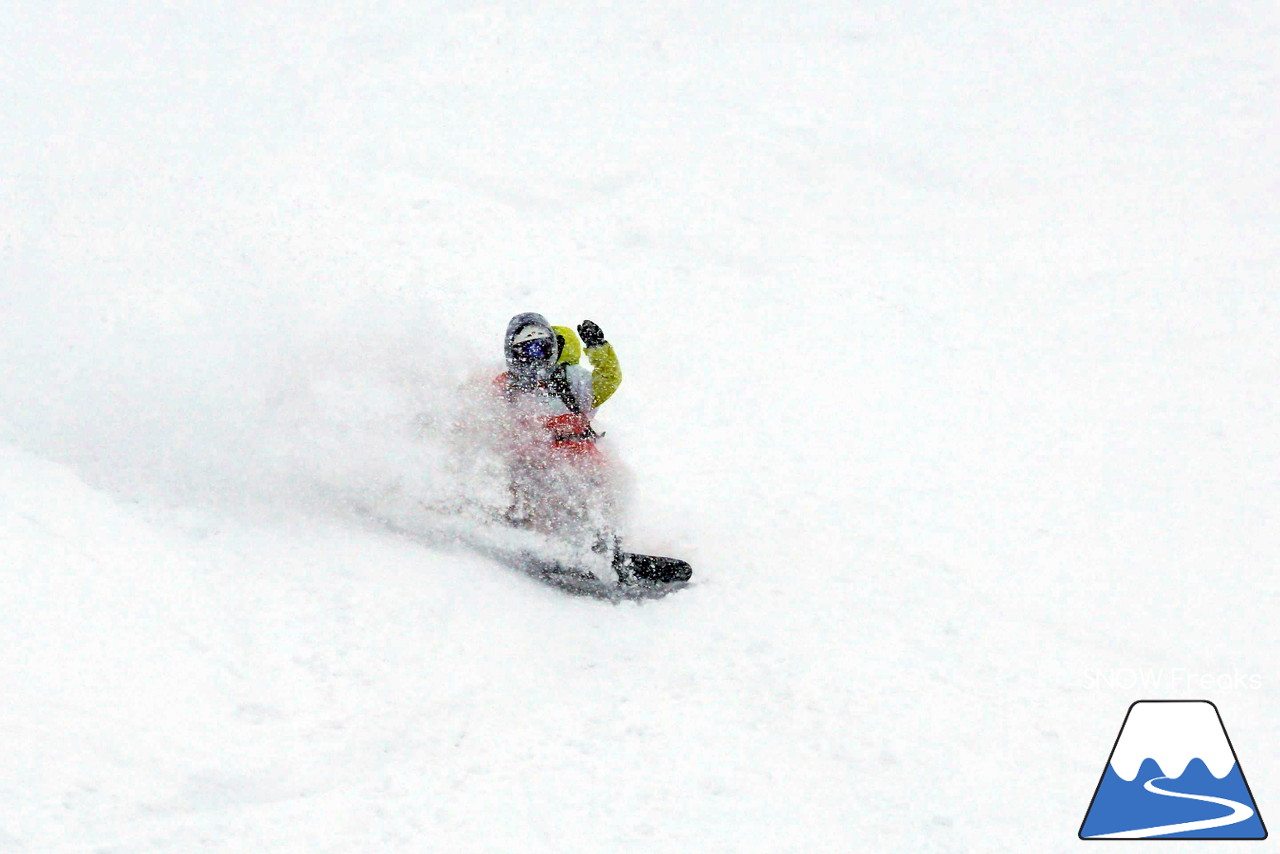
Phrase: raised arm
(606, 374)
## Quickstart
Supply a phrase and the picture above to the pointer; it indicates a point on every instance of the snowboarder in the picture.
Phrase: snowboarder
(560, 481)
(557, 474)
(544, 379)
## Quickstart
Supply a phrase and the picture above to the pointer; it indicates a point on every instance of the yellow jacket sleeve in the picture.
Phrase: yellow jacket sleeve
(606, 374)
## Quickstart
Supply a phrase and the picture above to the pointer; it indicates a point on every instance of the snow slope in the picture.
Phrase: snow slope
(950, 343)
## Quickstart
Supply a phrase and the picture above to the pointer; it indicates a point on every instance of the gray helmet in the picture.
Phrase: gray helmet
(530, 346)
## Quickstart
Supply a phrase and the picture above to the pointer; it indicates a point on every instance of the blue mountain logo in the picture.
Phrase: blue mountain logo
(1173, 774)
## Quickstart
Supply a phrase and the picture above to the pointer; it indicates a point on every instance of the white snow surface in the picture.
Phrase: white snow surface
(952, 364)
(1172, 734)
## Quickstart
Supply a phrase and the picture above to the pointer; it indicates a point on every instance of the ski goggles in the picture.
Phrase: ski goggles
(534, 350)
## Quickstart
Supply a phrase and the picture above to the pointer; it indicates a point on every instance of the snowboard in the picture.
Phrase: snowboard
(649, 576)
